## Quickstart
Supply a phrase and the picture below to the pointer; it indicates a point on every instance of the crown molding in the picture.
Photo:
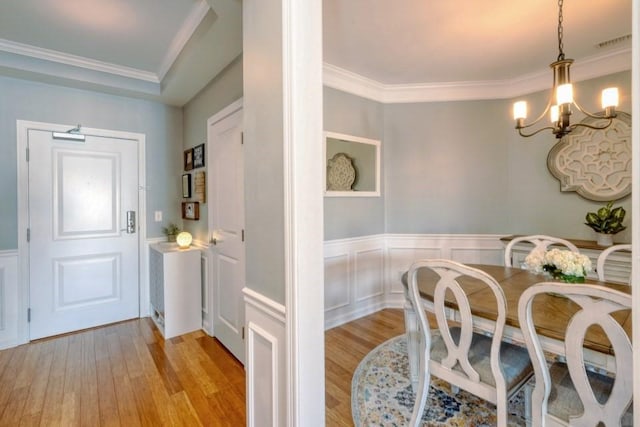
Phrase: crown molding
(588, 68)
(195, 17)
(197, 14)
(49, 55)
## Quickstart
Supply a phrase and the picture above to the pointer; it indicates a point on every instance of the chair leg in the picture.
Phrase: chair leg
(528, 390)
(420, 403)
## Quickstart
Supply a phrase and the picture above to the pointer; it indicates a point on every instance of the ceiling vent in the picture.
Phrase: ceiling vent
(613, 42)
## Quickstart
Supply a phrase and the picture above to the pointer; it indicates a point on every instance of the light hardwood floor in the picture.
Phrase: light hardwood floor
(126, 374)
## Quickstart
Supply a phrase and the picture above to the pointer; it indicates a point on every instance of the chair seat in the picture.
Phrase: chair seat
(515, 360)
(564, 400)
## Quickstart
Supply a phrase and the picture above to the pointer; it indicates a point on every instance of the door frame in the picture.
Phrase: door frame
(22, 131)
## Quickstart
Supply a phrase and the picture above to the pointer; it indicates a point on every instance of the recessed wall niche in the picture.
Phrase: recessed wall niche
(352, 166)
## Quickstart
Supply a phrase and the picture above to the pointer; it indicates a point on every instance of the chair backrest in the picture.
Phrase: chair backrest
(539, 241)
(454, 276)
(602, 258)
(596, 304)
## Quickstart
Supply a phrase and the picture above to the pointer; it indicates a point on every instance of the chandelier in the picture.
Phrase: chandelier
(561, 99)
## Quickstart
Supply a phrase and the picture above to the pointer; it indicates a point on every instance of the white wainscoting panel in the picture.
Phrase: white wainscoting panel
(8, 299)
(369, 274)
(336, 272)
(266, 369)
(354, 278)
(363, 275)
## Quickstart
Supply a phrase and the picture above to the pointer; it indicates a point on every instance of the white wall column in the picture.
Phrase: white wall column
(304, 267)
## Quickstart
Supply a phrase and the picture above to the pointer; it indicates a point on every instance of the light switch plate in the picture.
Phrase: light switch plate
(158, 216)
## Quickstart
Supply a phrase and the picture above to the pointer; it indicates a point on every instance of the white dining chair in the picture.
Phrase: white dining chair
(570, 393)
(482, 365)
(602, 259)
(539, 241)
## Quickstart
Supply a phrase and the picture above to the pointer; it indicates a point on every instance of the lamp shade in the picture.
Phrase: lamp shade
(184, 240)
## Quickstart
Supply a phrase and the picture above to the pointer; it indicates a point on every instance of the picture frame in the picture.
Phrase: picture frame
(186, 185)
(188, 159)
(191, 210)
(198, 156)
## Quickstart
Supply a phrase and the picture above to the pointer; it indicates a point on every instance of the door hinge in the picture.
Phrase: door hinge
(28, 234)
(242, 138)
(243, 235)
(28, 314)
(243, 332)
(27, 150)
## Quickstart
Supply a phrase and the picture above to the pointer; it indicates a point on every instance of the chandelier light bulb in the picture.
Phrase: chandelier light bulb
(520, 110)
(564, 94)
(554, 114)
(610, 97)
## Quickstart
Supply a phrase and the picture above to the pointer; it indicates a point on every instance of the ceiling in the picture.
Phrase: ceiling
(169, 50)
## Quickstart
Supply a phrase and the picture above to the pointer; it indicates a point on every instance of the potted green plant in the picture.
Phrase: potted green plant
(607, 221)
(171, 231)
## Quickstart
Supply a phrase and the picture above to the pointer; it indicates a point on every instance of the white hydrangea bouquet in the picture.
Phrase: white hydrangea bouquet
(570, 267)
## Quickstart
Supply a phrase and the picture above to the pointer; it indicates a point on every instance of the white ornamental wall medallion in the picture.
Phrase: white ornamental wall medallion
(595, 163)
(340, 173)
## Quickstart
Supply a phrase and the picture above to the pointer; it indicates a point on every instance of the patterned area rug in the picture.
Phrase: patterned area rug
(381, 395)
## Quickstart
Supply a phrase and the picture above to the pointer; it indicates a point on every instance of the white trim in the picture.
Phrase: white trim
(8, 299)
(225, 112)
(587, 68)
(635, 200)
(197, 14)
(264, 304)
(22, 128)
(267, 319)
(303, 214)
(191, 23)
(254, 330)
(76, 61)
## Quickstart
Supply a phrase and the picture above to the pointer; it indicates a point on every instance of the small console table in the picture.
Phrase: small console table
(175, 289)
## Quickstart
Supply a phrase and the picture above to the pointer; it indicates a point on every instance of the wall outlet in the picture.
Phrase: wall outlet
(158, 216)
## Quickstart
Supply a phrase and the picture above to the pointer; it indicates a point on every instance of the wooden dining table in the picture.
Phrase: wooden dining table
(551, 313)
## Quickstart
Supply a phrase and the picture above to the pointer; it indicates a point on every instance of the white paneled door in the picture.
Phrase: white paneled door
(226, 220)
(83, 257)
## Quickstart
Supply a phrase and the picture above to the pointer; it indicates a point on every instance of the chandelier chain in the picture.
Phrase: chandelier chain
(560, 32)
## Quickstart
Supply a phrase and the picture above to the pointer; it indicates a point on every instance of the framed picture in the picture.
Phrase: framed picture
(188, 159)
(198, 156)
(186, 185)
(190, 210)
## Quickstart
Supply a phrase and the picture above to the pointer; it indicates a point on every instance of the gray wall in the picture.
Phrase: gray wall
(162, 125)
(352, 115)
(224, 89)
(446, 167)
(460, 167)
(263, 145)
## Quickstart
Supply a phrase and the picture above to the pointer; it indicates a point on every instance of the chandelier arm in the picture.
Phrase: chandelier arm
(609, 121)
(593, 116)
(540, 117)
(527, 135)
